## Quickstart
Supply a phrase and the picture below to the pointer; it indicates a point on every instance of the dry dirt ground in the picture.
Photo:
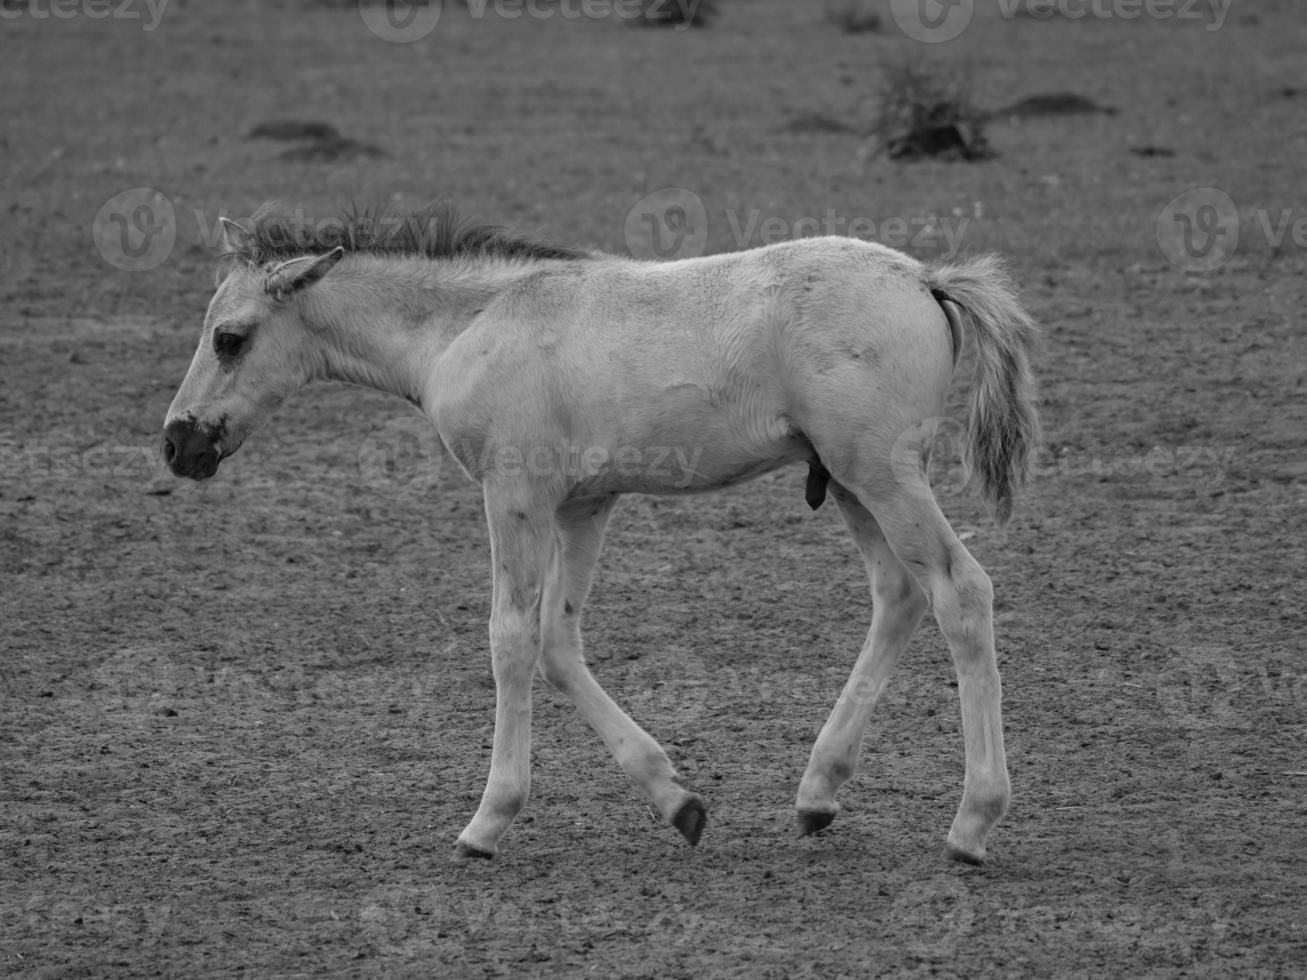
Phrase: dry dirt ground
(242, 724)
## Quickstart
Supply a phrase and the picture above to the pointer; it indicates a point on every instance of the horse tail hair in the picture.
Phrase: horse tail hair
(1002, 430)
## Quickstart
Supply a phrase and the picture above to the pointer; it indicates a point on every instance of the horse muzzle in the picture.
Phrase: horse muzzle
(191, 448)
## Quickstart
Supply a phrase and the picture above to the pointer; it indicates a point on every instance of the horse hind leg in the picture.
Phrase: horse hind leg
(898, 606)
(581, 531)
(961, 597)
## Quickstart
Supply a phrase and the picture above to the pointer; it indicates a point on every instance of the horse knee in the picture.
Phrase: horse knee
(515, 644)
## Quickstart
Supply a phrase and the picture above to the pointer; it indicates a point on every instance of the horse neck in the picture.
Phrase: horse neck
(385, 321)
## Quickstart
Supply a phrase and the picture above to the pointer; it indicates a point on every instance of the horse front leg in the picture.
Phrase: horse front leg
(581, 529)
(899, 605)
(521, 544)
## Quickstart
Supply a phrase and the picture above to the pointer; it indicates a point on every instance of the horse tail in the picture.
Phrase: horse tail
(1002, 430)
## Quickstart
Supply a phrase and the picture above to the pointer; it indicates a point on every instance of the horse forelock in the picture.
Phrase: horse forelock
(276, 234)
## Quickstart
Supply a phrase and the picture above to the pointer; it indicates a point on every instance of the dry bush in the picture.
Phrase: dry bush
(855, 16)
(924, 111)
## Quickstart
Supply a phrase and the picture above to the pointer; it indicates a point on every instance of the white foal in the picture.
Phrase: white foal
(561, 379)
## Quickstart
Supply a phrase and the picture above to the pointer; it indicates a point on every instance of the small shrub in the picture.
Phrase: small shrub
(854, 16)
(927, 112)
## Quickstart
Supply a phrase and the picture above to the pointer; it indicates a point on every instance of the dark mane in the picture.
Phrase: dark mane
(434, 232)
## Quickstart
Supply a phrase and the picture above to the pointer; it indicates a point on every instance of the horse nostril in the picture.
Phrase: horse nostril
(169, 450)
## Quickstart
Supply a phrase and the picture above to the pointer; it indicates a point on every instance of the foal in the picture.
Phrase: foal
(560, 379)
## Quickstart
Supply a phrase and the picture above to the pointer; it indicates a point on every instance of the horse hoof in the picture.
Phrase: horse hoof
(963, 856)
(812, 821)
(463, 852)
(691, 818)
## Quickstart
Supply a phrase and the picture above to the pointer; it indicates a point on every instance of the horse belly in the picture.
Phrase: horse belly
(683, 442)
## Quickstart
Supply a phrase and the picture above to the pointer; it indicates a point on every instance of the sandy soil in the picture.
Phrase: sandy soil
(241, 724)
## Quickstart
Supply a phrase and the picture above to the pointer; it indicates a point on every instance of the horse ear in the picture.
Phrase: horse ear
(233, 236)
(297, 274)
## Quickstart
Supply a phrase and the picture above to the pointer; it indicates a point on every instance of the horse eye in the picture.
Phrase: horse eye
(228, 344)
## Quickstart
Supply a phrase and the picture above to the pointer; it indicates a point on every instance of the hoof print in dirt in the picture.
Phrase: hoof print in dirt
(1052, 104)
(331, 151)
(815, 122)
(295, 129)
(1152, 151)
(322, 142)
